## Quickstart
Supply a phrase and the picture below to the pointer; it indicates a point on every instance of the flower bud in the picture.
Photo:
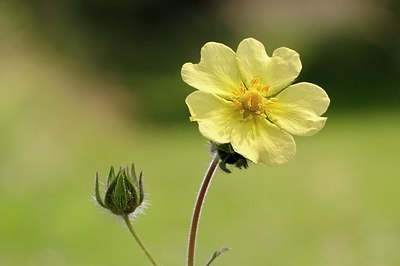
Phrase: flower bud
(124, 193)
(228, 156)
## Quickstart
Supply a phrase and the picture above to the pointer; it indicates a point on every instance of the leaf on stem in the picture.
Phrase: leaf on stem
(216, 254)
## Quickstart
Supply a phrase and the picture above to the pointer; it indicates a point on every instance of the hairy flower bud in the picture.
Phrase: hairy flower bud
(124, 193)
(228, 156)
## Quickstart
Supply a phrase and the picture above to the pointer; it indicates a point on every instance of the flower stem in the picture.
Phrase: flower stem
(197, 208)
(138, 240)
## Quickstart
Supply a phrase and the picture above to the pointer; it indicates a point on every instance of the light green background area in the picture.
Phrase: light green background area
(336, 203)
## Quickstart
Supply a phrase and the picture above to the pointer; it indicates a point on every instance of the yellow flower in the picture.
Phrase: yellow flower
(246, 99)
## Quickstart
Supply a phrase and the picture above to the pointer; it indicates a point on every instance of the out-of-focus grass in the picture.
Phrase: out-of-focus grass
(336, 203)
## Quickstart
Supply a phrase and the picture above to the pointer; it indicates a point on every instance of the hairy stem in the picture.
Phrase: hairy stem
(138, 240)
(197, 208)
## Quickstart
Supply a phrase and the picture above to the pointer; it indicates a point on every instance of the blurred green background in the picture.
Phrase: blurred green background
(89, 84)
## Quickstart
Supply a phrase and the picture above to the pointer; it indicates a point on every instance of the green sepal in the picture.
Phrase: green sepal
(111, 176)
(222, 166)
(120, 195)
(228, 155)
(97, 191)
(140, 186)
(132, 193)
(133, 173)
(108, 198)
(217, 254)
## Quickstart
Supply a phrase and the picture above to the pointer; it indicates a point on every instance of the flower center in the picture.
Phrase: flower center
(253, 101)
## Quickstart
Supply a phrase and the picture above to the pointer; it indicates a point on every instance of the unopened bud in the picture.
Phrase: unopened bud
(124, 193)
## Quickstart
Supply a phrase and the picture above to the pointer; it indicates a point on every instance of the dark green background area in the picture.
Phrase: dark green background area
(143, 44)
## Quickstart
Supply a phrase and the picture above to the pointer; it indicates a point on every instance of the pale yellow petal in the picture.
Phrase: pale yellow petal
(214, 115)
(262, 142)
(299, 108)
(216, 73)
(277, 71)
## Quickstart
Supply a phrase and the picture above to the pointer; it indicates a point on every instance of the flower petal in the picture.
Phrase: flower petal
(261, 141)
(216, 73)
(277, 71)
(299, 108)
(214, 115)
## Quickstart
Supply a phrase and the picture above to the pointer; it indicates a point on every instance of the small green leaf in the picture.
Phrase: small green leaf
(217, 253)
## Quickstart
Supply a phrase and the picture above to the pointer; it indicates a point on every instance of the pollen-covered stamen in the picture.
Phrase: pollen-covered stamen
(263, 90)
(271, 101)
(268, 104)
(254, 82)
(255, 85)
